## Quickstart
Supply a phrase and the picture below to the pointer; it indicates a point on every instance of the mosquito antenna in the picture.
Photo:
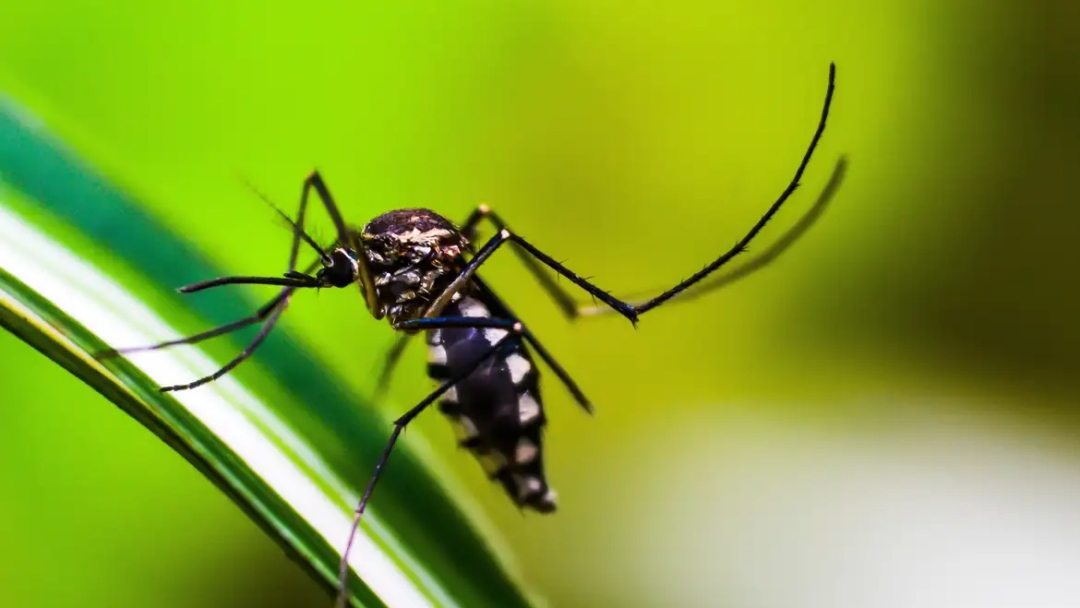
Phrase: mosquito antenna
(296, 227)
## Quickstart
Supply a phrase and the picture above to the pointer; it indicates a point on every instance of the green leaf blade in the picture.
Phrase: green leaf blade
(419, 547)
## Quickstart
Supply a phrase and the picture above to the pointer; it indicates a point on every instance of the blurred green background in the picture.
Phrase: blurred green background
(886, 417)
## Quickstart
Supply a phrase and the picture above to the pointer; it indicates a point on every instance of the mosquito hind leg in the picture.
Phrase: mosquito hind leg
(513, 335)
(468, 230)
(626, 309)
(762, 259)
(504, 311)
(561, 297)
(393, 356)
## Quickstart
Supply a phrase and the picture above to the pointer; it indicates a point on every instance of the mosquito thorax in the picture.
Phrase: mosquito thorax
(412, 254)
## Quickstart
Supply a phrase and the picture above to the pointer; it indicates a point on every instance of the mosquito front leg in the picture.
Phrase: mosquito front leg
(367, 285)
(268, 314)
(260, 315)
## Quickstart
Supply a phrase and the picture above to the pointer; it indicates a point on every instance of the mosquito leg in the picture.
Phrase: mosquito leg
(272, 312)
(504, 236)
(762, 259)
(393, 356)
(444, 322)
(260, 315)
(502, 310)
(268, 313)
(468, 229)
(745, 241)
(315, 181)
(556, 292)
(630, 311)
(297, 226)
(263, 332)
(293, 280)
(562, 298)
(399, 426)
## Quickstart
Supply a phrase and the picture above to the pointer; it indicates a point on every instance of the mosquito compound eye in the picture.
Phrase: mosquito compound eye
(342, 270)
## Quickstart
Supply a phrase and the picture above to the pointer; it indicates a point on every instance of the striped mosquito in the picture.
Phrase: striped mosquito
(419, 271)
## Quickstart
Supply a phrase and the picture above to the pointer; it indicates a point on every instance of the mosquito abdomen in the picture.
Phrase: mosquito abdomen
(497, 410)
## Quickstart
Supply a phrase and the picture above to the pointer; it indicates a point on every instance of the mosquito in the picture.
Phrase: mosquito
(418, 270)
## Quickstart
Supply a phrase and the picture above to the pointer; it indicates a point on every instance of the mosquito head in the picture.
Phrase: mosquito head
(412, 254)
(341, 268)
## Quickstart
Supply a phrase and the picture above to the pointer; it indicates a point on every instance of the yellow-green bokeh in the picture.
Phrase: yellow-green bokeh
(633, 140)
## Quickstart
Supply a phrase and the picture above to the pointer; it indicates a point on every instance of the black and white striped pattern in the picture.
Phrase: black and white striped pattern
(497, 411)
